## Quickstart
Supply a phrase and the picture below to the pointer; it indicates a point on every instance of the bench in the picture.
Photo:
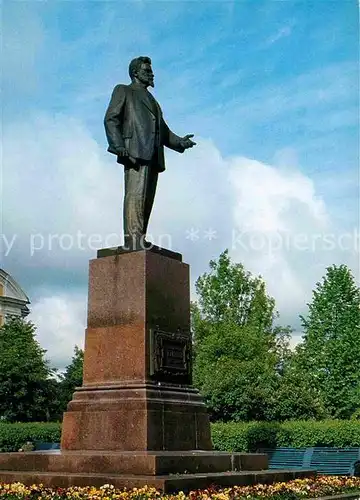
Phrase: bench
(337, 461)
(285, 458)
(328, 461)
(43, 446)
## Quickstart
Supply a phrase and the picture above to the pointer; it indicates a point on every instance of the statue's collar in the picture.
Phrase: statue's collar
(137, 86)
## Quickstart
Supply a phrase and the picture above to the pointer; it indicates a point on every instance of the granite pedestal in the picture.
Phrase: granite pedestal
(136, 393)
(137, 419)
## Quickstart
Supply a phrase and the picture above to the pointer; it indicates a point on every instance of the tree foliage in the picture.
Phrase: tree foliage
(72, 377)
(230, 294)
(328, 360)
(26, 387)
(243, 364)
(238, 350)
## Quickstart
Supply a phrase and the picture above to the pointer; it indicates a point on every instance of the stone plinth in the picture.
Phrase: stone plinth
(137, 392)
(136, 417)
(129, 295)
(166, 471)
(151, 463)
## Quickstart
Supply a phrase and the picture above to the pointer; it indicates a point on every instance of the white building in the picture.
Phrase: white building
(13, 301)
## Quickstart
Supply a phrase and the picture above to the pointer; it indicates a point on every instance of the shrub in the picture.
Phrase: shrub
(13, 436)
(231, 436)
(253, 436)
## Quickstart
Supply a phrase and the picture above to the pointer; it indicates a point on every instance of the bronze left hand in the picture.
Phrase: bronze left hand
(186, 141)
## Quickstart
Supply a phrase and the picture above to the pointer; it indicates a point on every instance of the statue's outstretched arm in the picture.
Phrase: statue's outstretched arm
(175, 142)
(170, 139)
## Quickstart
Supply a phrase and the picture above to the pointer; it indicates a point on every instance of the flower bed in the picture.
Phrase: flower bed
(292, 490)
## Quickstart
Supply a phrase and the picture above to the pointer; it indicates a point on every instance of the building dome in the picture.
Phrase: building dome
(13, 300)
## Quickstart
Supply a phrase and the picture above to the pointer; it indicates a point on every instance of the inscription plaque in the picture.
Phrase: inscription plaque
(170, 358)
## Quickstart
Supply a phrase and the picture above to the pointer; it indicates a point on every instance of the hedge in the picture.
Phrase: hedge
(14, 436)
(253, 436)
(233, 436)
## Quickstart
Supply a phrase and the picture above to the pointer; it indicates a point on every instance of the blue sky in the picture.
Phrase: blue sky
(269, 88)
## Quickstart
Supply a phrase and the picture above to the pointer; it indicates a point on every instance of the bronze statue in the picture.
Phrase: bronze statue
(137, 133)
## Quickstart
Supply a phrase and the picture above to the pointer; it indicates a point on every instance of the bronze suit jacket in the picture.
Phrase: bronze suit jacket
(134, 120)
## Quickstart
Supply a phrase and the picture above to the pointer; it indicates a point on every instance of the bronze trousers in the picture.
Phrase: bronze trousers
(140, 187)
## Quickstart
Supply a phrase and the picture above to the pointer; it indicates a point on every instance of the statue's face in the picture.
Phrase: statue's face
(145, 74)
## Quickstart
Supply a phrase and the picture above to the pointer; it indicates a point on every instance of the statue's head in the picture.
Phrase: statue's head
(140, 71)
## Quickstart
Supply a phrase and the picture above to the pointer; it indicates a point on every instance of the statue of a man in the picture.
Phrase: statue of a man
(137, 133)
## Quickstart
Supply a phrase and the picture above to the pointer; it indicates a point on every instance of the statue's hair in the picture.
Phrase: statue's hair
(136, 63)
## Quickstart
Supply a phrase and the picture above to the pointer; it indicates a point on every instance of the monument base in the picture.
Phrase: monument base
(136, 417)
(166, 471)
(137, 420)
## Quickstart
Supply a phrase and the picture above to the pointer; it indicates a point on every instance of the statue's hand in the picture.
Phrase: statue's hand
(122, 152)
(186, 141)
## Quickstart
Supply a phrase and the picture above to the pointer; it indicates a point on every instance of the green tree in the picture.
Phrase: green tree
(25, 374)
(72, 377)
(238, 351)
(294, 399)
(229, 293)
(329, 357)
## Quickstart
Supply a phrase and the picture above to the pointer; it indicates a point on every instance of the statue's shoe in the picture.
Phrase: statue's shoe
(137, 243)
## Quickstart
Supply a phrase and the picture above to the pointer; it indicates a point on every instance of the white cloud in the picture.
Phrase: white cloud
(67, 191)
(68, 183)
(265, 195)
(60, 324)
(277, 214)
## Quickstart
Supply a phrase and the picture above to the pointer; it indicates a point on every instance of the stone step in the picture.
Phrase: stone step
(134, 463)
(168, 483)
